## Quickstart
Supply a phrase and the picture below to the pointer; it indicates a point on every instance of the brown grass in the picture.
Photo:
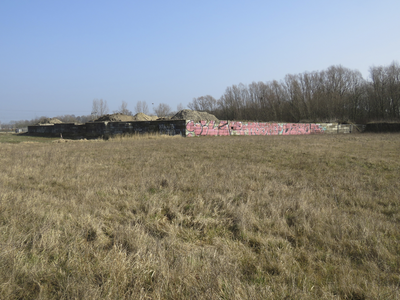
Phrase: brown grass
(279, 217)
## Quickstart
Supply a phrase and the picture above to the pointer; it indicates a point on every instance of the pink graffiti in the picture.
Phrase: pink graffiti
(296, 129)
(225, 128)
(316, 128)
(211, 128)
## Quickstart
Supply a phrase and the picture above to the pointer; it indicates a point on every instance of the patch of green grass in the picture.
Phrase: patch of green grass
(16, 138)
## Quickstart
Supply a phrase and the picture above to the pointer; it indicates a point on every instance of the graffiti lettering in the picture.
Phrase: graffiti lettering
(225, 128)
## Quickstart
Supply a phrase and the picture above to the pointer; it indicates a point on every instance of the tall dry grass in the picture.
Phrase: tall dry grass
(279, 217)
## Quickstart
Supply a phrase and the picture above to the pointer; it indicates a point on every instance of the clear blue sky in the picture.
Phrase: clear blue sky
(57, 56)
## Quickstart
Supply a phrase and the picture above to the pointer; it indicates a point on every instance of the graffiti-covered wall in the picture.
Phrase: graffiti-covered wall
(224, 128)
(185, 128)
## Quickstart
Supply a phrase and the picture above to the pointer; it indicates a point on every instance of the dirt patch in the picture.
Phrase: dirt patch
(187, 114)
(49, 121)
(144, 117)
(118, 117)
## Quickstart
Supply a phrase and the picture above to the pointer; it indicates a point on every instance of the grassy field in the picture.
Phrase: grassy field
(278, 217)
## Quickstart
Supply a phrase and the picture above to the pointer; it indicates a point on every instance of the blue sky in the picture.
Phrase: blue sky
(57, 56)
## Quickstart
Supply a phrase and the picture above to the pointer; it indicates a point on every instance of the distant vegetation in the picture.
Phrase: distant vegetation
(99, 109)
(64, 118)
(335, 94)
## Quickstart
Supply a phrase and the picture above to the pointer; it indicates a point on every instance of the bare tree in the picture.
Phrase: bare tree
(123, 109)
(67, 118)
(142, 107)
(203, 103)
(180, 107)
(99, 108)
(384, 92)
(334, 94)
(145, 108)
(162, 110)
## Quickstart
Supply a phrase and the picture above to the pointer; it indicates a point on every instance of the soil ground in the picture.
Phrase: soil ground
(187, 114)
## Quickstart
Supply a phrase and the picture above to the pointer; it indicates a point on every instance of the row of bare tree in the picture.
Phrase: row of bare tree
(100, 108)
(335, 94)
(64, 118)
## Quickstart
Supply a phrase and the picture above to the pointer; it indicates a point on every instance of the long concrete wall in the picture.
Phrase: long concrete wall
(97, 129)
(225, 128)
(186, 128)
(382, 127)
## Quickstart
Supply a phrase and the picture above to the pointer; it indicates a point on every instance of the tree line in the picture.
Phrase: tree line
(335, 94)
(100, 108)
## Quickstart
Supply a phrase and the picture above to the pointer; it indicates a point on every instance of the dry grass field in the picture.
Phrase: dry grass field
(278, 217)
